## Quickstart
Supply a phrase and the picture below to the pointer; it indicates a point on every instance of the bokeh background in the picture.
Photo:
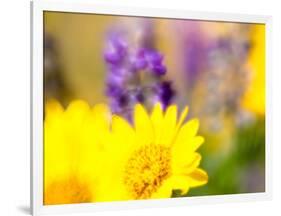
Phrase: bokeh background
(216, 68)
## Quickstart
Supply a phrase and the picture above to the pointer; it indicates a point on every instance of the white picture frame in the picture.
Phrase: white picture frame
(82, 6)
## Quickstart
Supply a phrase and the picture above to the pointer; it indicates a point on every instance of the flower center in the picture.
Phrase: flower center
(146, 169)
(67, 191)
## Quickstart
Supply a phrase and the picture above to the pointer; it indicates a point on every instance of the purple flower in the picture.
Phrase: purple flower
(148, 59)
(139, 96)
(116, 48)
(159, 70)
(115, 82)
(194, 52)
(155, 61)
(165, 93)
(138, 60)
(113, 90)
(130, 70)
(154, 57)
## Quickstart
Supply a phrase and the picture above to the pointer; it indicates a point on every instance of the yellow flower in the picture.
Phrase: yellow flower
(72, 142)
(254, 99)
(153, 158)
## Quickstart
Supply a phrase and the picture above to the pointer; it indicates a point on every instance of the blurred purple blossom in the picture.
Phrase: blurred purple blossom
(116, 48)
(165, 92)
(135, 73)
(226, 75)
(195, 45)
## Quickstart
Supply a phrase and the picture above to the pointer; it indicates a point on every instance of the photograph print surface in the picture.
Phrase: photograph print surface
(151, 108)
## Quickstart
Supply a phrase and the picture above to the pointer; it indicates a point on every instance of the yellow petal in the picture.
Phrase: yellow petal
(53, 110)
(184, 146)
(156, 120)
(77, 107)
(94, 135)
(53, 106)
(195, 162)
(101, 115)
(56, 157)
(169, 125)
(197, 178)
(123, 141)
(75, 113)
(180, 183)
(185, 143)
(97, 125)
(182, 117)
(197, 142)
(143, 125)
(56, 151)
(190, 128)
(185, 165)
(165, 190)
(123, 130)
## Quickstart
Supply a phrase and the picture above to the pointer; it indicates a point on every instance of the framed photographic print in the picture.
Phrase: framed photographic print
(142, 107)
